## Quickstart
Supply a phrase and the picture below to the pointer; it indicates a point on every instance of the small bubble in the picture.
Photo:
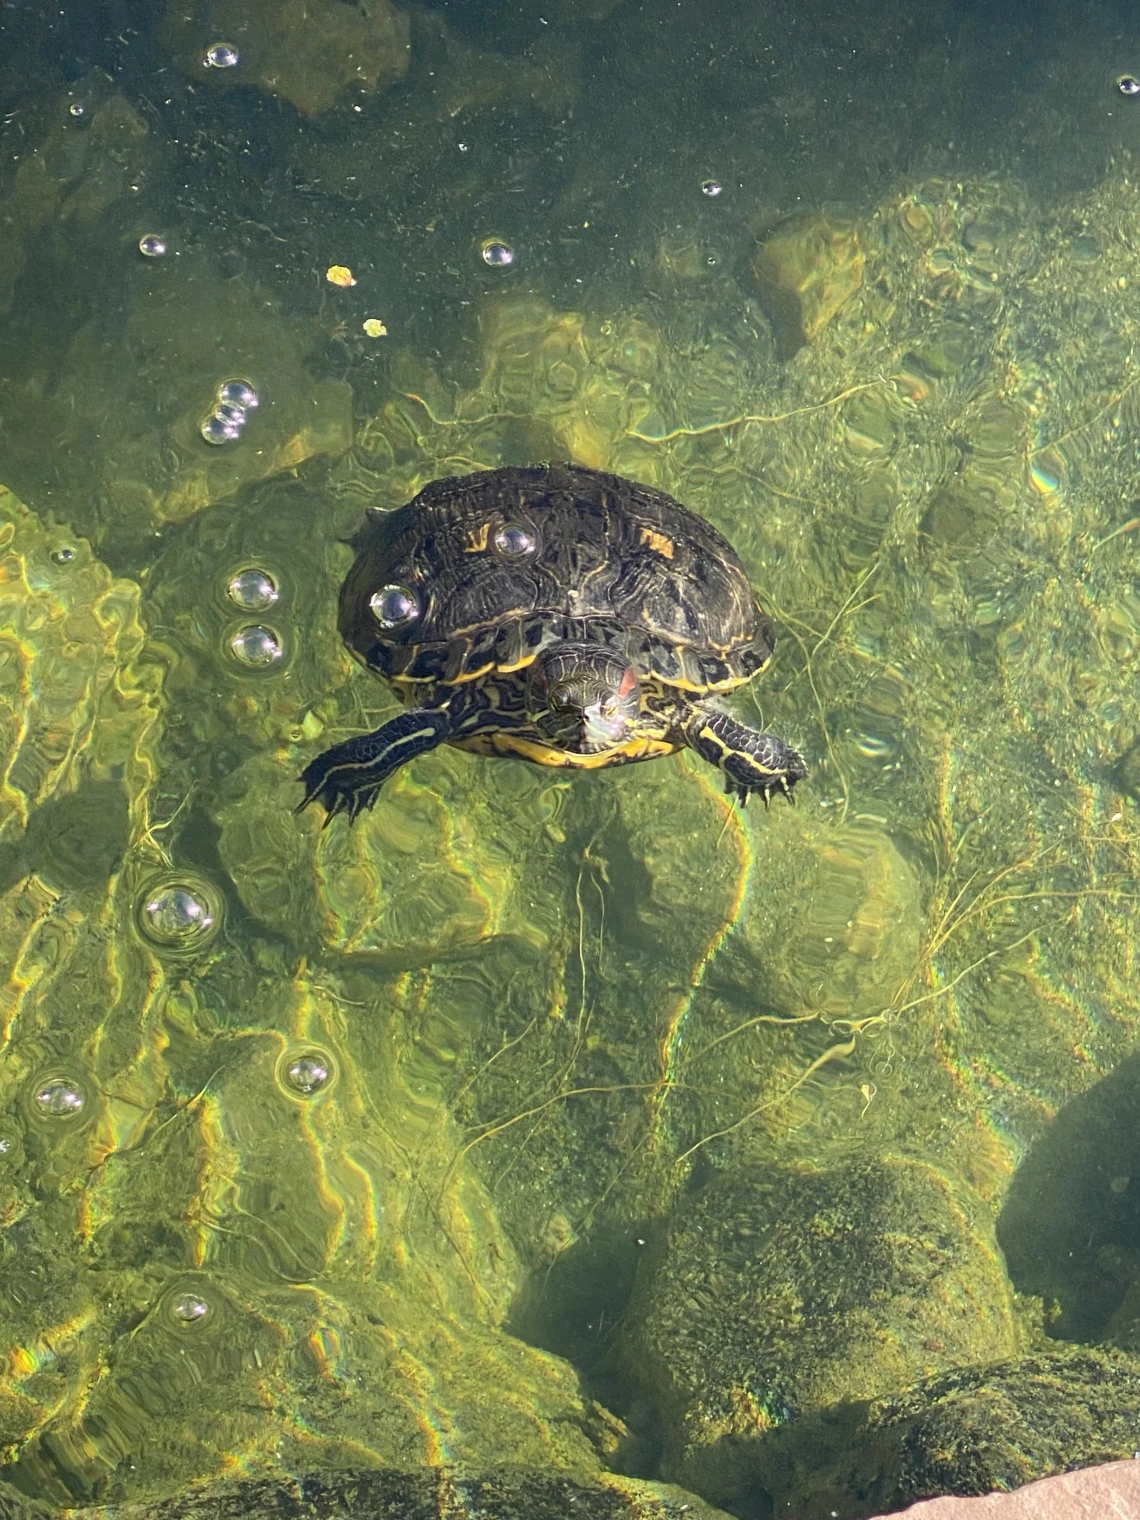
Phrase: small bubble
(711, 187)
(513, 539)
(394, 604)
(63, 555)
(238, 393)
(76, 109)
(59, 1098)
(179, 914)
(190, 1307)
(221, 55)
(256, 645)
(217, 430)
(1128, 84)
(229, 411)
(497, 254)
(253, 589)
(175, 911)
(152, 246)
(307, 1074)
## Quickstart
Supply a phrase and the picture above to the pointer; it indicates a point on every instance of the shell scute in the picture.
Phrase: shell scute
(612, 561)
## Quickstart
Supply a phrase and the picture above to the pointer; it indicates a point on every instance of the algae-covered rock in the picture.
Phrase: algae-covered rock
(970, 1431)
(76, 705)
(806, 270)
(308, 52)
(86, 165)
(504, 1492)
(775, 1293)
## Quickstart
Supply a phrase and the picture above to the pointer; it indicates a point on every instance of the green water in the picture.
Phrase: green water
(574, 1125)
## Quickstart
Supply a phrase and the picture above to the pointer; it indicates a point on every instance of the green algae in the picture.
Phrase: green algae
(800, 1055)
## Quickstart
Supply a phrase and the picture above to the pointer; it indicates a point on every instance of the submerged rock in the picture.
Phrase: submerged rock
(308, 52)
(805, 271)
(784, 1291)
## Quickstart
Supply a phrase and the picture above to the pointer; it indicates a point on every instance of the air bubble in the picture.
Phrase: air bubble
(497, 254)
(191, 1308)
(1128, 84)
(307, 1074)
(513, 539)
(59, 1098)
(711, 187)
(221, 55)
(179, 914)
(393, 605)
(253, 590)
(152, 245)
(256, 646)
(238, 393)
(63, 555)
(218, 430)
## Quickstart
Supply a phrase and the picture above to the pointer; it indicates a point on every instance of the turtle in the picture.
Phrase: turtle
(557, 613)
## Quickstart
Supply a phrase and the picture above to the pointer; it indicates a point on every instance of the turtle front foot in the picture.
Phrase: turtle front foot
(751, 761)
(348, 777)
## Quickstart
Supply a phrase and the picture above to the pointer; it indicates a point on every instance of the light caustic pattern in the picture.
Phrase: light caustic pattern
(534, 1004)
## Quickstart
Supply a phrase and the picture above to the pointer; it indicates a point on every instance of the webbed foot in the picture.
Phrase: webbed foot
(348, 777)
(751, 761)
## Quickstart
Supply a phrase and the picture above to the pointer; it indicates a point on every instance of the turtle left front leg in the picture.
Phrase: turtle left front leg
(751, 761)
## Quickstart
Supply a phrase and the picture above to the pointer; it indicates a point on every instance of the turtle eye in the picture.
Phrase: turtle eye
(514, 539)
(561, 699)
(393, 605)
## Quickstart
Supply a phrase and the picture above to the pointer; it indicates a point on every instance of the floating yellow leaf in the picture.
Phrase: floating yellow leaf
(339, 274)
(375, 328)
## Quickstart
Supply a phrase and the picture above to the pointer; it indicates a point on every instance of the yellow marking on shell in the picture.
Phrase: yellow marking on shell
(658, 542)
(477, 541)
(506, 743)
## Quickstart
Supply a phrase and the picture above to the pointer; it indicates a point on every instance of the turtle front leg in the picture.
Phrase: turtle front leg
(751, 761)
(346, 778)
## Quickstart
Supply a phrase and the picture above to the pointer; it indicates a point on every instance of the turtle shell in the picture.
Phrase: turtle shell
(477, 573)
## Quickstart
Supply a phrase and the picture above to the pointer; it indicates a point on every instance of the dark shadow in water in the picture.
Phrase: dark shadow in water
(575, 1308)
(1070, 1228)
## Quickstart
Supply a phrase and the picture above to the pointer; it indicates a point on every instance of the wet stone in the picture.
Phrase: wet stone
(782, 1291)
(805, 271)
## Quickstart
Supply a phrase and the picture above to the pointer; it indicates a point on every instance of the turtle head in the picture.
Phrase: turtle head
(583, 698)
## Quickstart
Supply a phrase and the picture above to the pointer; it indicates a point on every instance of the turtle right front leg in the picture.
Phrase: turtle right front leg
(346, 778)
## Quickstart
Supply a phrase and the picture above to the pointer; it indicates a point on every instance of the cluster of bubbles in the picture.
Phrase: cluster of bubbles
(236, 399)
(254, 645)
